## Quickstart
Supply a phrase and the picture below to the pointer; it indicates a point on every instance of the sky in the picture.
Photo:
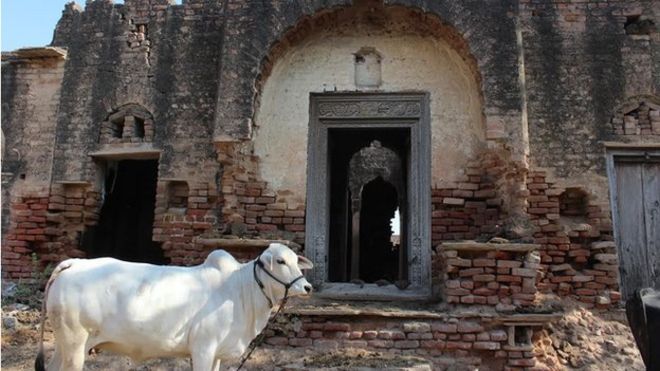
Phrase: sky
(30, 22)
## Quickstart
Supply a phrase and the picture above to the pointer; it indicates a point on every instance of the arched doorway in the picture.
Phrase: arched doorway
(381, 256)
(368, 171)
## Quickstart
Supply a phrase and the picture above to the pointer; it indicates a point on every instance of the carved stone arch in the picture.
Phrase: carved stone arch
(240, 88)
(638, 115)
(370, 163)
(366, 166)
(129, 123)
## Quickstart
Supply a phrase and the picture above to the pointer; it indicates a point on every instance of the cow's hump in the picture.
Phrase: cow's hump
(222, 260)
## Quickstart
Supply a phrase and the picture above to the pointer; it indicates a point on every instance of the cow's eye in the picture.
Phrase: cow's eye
(281, 261)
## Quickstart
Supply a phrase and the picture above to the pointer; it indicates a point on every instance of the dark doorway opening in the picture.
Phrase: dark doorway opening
(379, 203)
(368, 204)
(126, 222)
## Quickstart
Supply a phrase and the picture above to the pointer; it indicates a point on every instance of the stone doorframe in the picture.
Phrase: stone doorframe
(370, 111)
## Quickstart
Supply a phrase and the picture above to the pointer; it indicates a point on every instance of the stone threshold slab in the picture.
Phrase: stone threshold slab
(429, 311)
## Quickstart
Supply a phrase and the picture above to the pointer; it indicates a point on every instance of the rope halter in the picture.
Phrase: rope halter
(287, 286)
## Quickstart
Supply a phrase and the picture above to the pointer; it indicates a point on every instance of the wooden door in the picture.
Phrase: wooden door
(637, 221)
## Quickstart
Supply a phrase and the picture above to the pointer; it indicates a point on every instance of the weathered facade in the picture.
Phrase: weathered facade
(156, 132)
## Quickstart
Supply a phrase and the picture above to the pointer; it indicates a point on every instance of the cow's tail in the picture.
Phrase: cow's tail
(39, 362)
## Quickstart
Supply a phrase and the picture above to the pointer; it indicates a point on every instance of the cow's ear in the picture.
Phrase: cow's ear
(304, 263)
(267, 259)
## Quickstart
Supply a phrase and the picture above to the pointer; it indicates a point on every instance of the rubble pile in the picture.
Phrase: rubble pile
(586, 340)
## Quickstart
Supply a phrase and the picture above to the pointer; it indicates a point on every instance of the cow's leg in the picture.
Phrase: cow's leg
(70, 356)
(73, 344)
(70, 340)
(61, 333)
(203, 359)
(216, 364)
(75, 357)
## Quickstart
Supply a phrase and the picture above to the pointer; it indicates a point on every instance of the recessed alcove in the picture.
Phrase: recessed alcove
(573, 203)
(130, 123)
(118, 128)
(367, 68)
(139, 127)
(177, 196)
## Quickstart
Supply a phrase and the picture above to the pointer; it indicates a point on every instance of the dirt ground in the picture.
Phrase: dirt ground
(20, 343)
(21, 357)
(583, 340)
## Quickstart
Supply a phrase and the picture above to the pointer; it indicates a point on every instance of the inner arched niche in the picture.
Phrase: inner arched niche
(419, 53)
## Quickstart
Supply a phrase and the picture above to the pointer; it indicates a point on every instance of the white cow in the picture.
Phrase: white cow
(209, 312)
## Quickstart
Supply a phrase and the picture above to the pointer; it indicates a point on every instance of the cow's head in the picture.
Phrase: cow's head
(284, 264)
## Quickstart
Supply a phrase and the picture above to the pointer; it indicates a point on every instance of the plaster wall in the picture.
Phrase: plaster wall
(29, 147)
(325, 63)
(30, 97)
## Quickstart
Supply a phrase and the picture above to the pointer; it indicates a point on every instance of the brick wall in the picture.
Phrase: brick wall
(504, 275)
(469, 210)
(465, 340)
(249, 207)
(48, 225)
(578, 254)
(26, 229)
(183, 211)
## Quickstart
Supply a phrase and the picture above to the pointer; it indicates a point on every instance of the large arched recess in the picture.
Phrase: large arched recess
(419, 54)
(257, 32)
